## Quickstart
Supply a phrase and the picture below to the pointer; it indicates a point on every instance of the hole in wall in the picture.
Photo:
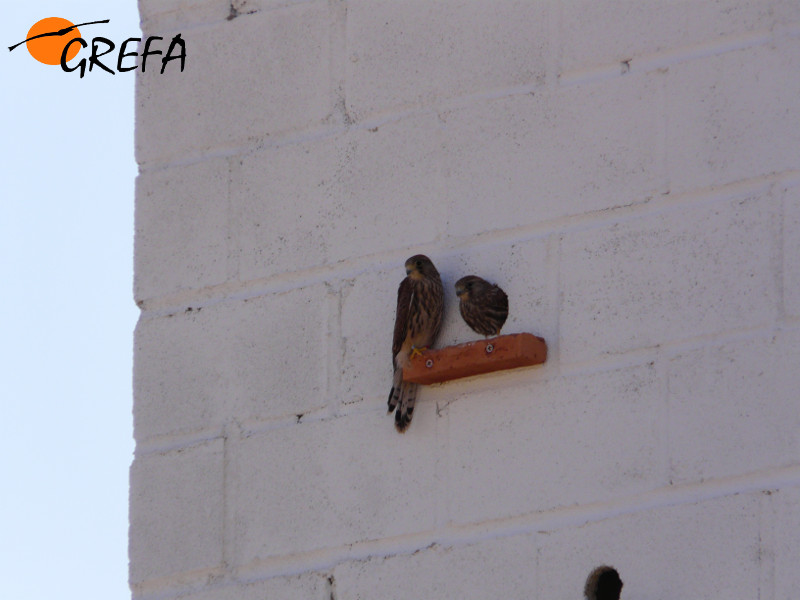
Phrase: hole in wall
(603, 584)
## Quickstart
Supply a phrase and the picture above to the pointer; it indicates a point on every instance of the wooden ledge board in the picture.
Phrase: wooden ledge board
(477, 357)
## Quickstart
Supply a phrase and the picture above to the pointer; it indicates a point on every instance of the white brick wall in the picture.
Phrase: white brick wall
(629, 173)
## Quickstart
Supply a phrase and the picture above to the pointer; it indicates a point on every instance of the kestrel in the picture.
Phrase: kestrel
(483, 305)
(420, 303)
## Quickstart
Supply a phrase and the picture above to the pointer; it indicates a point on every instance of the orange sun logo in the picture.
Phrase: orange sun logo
(49, 48)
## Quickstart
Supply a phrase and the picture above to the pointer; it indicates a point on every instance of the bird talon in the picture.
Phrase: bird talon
(416, 351)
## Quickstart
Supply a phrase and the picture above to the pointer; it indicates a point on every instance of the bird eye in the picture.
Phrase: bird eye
(419, 263)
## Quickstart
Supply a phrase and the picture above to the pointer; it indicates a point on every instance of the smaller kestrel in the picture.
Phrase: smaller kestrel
(483, 305)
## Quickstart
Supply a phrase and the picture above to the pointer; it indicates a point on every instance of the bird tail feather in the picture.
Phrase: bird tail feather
(405, 408)
(397, 389)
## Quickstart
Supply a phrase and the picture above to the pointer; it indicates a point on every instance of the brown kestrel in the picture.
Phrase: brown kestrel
(483, 305)
(420, 303)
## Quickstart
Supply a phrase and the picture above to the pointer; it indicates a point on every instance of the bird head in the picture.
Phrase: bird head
(419, 267)
(468, 285)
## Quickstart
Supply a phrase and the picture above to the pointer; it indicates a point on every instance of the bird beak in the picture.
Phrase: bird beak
(408, 271)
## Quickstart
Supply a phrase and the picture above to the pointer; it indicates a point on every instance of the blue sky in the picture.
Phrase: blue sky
(67, 314)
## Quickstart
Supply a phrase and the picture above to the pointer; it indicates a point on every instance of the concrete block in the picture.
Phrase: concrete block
(783, 522)
(791, 252)
(328, 483)
(327, 200)
(244, 360)
(556, 443)
(385, 192)
(599, 33)
(244, 80)
(162, 15)
(369, 303)
(704, 550)
(181, 228)
(493, 568)
(176, 512)
(728, 116)
(306, 586)
(180, 374)
(733, 409)
(278, 348)
(530, 158)
(276, 227)
(249, 7)
(414, 53)
(671, 275)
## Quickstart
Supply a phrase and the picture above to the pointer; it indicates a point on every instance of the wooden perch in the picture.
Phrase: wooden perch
(474, 358)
